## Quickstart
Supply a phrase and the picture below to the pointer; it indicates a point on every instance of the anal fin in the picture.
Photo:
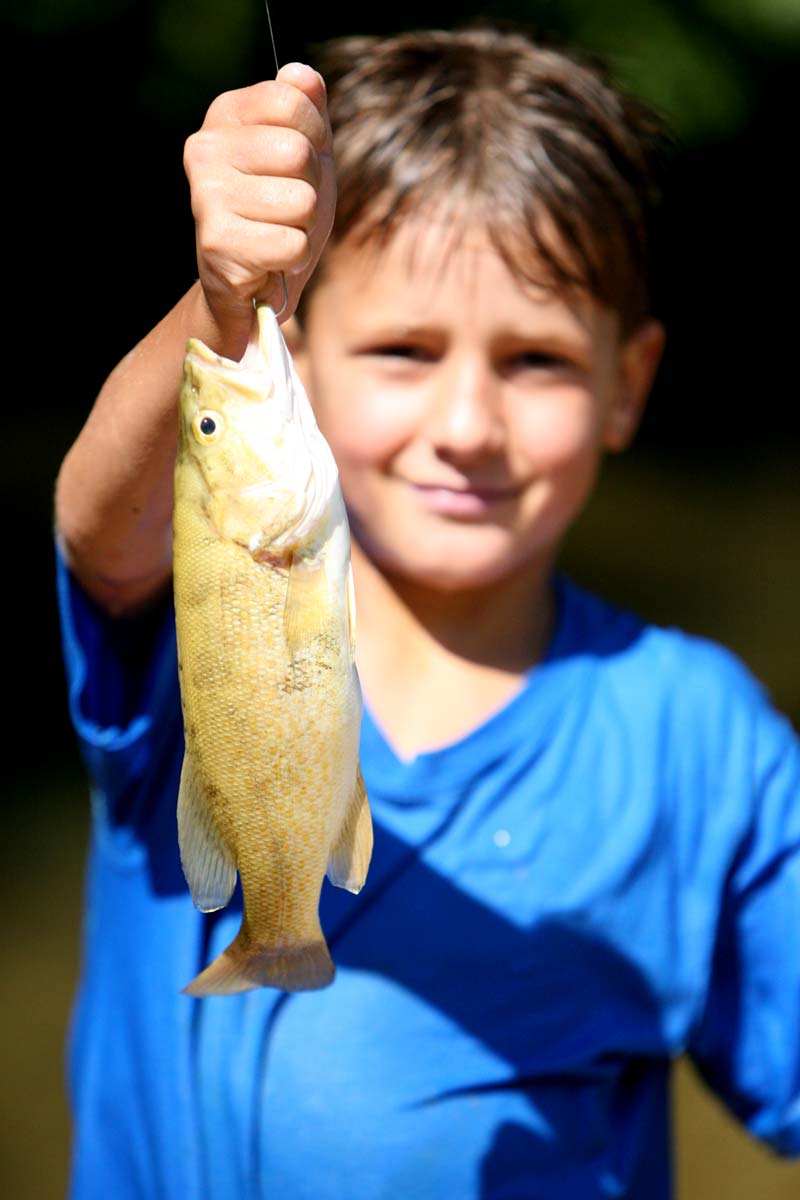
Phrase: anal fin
(349, 860)
(208, 864)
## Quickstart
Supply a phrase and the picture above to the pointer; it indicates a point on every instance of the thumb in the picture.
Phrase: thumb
(311, 84)
(307, 80)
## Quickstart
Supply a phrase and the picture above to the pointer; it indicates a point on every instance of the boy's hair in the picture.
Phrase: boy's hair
(485, 125)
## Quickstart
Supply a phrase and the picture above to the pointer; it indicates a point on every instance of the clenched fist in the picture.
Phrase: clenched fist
(263, 195)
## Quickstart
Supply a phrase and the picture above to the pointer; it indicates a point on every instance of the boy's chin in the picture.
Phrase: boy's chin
(448, 576)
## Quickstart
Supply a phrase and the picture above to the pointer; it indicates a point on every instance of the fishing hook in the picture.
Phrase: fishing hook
(278, 311)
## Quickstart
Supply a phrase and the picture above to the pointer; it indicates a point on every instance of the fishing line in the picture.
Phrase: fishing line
(282, 308)
(272, 37)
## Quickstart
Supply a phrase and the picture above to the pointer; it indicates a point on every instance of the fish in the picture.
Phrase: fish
(271, 786)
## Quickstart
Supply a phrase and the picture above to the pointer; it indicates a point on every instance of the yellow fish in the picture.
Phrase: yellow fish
(271, 785)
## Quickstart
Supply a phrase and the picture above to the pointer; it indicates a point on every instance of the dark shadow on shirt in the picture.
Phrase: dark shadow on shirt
(416, 927)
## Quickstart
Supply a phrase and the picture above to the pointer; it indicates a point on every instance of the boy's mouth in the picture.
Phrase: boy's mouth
(463, 500)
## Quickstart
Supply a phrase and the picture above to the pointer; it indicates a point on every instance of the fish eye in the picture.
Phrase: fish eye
(207, 426)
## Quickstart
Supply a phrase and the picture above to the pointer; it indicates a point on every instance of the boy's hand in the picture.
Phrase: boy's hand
(263, 196)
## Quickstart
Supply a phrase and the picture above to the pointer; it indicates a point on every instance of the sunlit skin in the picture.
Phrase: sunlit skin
(468, 414)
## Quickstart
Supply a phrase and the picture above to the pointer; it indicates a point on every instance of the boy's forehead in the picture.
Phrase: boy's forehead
(430, 261)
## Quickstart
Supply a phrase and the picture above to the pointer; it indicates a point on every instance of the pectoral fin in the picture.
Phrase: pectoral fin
(208, 864)
(307, 610)
(349, 860)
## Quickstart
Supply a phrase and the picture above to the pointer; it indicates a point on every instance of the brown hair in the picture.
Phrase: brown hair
(527, 139)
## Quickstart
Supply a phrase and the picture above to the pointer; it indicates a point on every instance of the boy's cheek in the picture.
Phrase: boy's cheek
(560, 433)
(354, 446)
(364, 435)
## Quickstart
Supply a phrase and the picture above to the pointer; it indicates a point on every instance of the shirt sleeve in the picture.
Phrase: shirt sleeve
(747, 1043)
(124, 700)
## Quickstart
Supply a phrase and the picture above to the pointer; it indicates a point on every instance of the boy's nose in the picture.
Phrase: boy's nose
(465, 418)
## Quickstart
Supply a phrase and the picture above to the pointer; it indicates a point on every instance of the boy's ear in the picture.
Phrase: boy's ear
(639, 359)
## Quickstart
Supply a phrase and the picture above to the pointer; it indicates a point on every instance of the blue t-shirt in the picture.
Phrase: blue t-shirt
(603, 875)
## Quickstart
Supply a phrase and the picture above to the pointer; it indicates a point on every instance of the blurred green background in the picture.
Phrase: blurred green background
(698, 526)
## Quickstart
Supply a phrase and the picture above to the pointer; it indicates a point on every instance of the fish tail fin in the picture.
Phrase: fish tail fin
(245, 965)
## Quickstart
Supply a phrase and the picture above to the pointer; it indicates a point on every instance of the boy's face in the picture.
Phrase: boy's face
(467, 413)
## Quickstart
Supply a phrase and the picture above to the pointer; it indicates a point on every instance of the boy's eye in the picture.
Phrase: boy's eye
(401, 351)
(537, 360)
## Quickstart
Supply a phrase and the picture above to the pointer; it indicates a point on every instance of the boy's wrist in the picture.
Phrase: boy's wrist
(225, 332)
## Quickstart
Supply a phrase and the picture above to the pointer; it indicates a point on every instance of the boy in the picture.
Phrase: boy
(587, 829)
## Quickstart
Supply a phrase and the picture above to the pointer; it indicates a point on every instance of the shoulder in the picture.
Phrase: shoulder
(691, 694)
(692, 729)
(672, 661)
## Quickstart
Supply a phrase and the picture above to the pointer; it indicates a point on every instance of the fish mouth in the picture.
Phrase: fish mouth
(261, 368)
(251, 372)
(253, 356)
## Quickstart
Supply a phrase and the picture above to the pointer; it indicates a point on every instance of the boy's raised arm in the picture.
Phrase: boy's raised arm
(263, 195)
